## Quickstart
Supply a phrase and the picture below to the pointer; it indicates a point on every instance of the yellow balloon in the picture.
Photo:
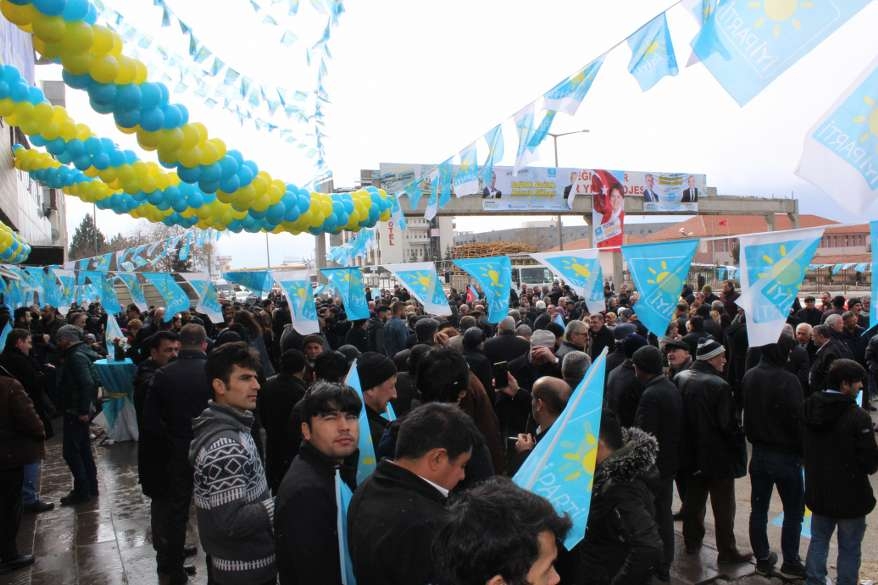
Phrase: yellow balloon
(127, 70)
(103, 40)
(140, 72)
(77, 63)
(78, 37)
(148, 140)
(190, 136)
(169, 140)
(190, 157)
(50, 28)
(104, 69)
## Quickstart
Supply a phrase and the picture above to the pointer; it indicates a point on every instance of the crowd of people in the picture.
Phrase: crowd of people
(252, 422)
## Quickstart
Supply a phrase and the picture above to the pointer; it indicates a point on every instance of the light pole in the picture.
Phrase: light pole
(555, 138)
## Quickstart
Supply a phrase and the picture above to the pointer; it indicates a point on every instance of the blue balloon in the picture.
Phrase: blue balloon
(184, 113)
(179, 203)
(10, 73)
(34, 95)
(211, 172)
(245, 175)
(209, 186)
(275, 213)
(236, 155)
(195, 200)
(230, 185)
(50, 7)
(19, 93)
(155, 198)
(152, 120)
(173, 117)
(127, 118)
(93, 146)
(37, 140)
(4, 89)
(164, 94)
(150, 96)
(117, 159)
(75, 147)
(100, 107)
(76, 81)
(104, 94)
(56, 146)
(291, 214)
(82, 162)
(127, 97)
(228, 166)
(75, 10)
(189, 175)
(101, 161)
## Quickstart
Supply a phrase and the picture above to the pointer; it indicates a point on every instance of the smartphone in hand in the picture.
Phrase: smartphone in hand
(500, 371)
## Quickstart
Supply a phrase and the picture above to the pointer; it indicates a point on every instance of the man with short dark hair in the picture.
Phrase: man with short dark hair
(396, 334)
(836, 308)
(179, 392)
(623, 389)
(305, 520)
(599, 335)
(660, 413)
(772, 417)
(829, 349)
(810, 314)
(395, 515)
(233, 504)
(840, 455)
(276, 401)
(519, 537)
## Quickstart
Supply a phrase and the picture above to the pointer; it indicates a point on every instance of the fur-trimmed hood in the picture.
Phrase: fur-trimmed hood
(636, 459)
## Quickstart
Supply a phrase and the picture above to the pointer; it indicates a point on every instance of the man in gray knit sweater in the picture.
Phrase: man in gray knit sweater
(234, 507)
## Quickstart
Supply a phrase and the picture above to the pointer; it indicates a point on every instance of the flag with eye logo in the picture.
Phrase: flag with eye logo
(300, 296)
(494, 275)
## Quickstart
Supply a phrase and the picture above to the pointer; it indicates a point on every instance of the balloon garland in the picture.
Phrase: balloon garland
(92, 59)
(13, 250)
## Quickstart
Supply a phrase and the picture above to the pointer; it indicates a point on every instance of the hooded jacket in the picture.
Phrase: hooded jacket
(21, 431)
(840, 454)
(622, 544)
(660, 413)
(773, 402)
(234, 508)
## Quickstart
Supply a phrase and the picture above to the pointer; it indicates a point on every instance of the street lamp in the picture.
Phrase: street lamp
(555, 137)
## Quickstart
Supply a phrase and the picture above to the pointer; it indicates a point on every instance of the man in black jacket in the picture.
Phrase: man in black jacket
(505, 346)
(829, 349)
(714, 451)
(840, 454)
(305, 517)
(179, 393)
(599, 335)
(378, 381)
(396, 513)
(623, 389)
(660, 413)
(621, 544)
(275, 405)
(772, 417)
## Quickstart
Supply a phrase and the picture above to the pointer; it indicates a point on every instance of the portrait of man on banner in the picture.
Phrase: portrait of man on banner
(608, 209)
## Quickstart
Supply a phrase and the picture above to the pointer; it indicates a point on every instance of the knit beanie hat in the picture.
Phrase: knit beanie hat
(709, 348)
(649, 359)
(632, 343)
(374, 369)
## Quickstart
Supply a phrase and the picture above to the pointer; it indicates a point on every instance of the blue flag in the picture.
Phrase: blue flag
(258, 281)
(397, 216)
(102, 262)
(466, 178)
(494, 275)
(494, 138)
(134, 288)
(652, 53)
(773, 266)
(421, 280)
(208, 299)
(5, 333)
(343, 497)
(300, 297)
(348, 284)
(524, 126)
(541, 131)
(445, 178)
(567, 95)
(103, 283)
(51, 290)
(367, 461)
(659, 271)
(580, 269)
(746, 45)
(840, 154)
(66, 289)
(175, 297)
(414, 192)
(561, 466)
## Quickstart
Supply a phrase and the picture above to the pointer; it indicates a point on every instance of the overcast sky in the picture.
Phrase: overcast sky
(417, 81)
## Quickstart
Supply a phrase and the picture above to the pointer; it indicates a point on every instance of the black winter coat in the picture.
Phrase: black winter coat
(773, 405)
(622, 545)
(151, 453)
(275, 405)
(178, 394)
(623, 392)
(615, 359)
(505, 348)
(713, 444)
(603, 338)
(305, 519)
(840, 454)
(392, 521)
(826, 354)
(660, 413)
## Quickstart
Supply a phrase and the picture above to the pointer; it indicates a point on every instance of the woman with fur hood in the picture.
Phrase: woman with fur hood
(622, 544)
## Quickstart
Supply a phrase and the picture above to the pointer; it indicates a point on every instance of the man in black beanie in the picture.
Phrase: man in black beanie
(660, 413)
(378, 381)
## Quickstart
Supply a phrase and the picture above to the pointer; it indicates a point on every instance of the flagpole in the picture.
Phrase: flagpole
(555, 136)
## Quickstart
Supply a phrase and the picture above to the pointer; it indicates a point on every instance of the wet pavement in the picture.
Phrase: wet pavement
(108, 541)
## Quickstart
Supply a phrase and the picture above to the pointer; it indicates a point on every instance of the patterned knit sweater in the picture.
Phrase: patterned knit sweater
(234, 507)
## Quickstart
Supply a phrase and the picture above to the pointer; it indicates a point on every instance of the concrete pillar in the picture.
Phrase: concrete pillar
(617, 268)
(769, 219)
(794, 218)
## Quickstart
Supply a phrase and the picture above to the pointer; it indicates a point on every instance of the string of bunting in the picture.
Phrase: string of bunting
(742, 72)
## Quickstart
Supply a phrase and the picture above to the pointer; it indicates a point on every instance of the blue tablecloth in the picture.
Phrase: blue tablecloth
(118, 415)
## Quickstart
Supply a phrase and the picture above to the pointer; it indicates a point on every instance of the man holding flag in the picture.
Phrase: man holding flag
(306, 531)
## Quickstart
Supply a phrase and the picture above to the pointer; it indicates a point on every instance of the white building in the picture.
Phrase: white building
(34, 213)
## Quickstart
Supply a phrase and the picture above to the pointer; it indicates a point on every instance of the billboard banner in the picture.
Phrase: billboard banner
(548, 189)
